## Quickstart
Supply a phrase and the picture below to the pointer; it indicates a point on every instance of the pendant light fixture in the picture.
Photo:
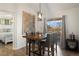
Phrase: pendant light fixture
(39, 13)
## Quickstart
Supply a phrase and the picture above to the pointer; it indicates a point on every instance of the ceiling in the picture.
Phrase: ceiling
(61, 6)
(48, 8)
(55, 7)
(52, 7)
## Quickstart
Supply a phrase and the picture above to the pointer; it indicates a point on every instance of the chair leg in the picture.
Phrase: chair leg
(43, 50)
(56, 49)
(52, 50)
(48, 51)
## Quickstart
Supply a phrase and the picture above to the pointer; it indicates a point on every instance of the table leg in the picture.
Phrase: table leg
(33, 47)
(40, 48)
(26, 47)
(29, 46)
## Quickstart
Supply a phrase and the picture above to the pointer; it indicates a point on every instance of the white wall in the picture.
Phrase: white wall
(39, 25)
(71, 18)
(20, 41)
(16, 11)
(72, 21)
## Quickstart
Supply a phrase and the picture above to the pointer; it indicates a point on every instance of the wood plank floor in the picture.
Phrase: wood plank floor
(6, 50)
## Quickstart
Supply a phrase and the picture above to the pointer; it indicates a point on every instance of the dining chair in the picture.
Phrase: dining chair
(51, 42)
(35, 47)
(55, 37)
(48, 43)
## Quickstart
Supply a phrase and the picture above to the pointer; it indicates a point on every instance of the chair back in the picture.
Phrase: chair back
(48, 39)
(26, 33)
(55, 37)
(52, 38)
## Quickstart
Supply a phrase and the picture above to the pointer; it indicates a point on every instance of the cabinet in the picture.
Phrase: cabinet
(72, 44)
(6, 28)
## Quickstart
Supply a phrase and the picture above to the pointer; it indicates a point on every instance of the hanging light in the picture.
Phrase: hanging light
(39, 14)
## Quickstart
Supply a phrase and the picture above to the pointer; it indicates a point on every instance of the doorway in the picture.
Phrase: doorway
(58, 25)
(6, 31)
(55, 26)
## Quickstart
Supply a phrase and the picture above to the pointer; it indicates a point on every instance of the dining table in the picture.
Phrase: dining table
(32, 39)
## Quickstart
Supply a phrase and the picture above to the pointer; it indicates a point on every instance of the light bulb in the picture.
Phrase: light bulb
(40, 16)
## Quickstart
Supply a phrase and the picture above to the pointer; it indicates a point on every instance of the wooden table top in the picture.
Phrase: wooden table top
(34, 37)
